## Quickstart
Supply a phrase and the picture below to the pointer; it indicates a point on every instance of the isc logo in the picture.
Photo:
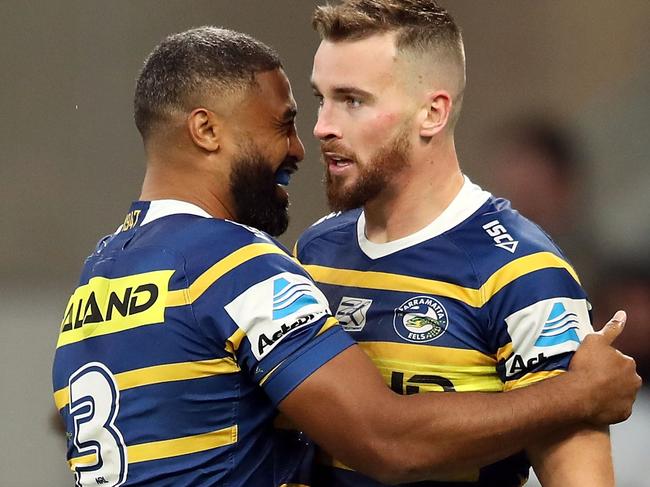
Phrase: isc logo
(500, 235)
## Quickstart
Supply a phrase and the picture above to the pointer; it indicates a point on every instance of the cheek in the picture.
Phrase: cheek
(375, 131)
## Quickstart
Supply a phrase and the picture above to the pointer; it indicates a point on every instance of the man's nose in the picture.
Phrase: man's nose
(325, 127)
(296, 147)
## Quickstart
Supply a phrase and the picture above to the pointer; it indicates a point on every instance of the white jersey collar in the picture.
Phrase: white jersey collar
(469, 199)
(161, 208)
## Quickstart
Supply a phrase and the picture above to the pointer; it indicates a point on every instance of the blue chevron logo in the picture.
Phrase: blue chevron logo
(289, 298)
(560, 327)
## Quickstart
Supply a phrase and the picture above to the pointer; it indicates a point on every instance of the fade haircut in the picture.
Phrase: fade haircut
(185, 67)
(422, 28)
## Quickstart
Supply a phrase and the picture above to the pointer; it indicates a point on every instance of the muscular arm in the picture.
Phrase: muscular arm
(577, 458)
(346, 408)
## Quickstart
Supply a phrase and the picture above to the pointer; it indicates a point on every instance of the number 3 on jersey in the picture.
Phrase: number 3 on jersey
(94, 404)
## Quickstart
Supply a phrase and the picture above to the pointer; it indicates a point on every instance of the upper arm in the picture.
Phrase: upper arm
(262, 309)
(343, 406)
(541, 336)
(539, 320)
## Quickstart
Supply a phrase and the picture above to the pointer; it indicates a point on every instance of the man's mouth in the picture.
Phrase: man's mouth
(283, 175)
(336, 162)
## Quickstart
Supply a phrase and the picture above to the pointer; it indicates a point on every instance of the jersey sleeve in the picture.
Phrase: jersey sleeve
(541, 318)
(271, 318)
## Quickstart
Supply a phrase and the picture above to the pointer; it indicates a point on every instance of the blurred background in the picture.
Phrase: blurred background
(556, 118)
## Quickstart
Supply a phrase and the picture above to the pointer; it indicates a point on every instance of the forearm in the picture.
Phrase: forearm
(357, 419)
(441, 433)
(579, 457)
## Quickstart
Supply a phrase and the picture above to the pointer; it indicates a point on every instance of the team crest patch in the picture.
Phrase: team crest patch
(420, 319)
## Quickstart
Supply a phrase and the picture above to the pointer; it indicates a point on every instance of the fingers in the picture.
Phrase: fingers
(613, 327)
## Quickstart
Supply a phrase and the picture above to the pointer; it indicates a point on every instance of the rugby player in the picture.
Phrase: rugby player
(191, 326)
(444, 286)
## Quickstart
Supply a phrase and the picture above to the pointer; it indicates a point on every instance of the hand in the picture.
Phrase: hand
(609, 377)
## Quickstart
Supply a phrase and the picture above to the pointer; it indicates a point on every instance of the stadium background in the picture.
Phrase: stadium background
(72, 160)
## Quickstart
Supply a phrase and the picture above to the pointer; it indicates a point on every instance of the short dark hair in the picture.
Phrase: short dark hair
(419, 24)
(185, 65)
(422, 27)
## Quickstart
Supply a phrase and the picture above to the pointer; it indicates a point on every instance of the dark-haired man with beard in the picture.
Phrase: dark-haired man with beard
(191, 327)
(444, 286)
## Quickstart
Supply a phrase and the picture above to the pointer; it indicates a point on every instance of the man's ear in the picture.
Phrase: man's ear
(204, 127)
(438, 112)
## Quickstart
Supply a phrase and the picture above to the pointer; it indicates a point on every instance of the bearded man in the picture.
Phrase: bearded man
(443, 285)
(191, 327)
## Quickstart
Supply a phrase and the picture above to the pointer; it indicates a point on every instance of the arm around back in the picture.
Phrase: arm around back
(346, 407)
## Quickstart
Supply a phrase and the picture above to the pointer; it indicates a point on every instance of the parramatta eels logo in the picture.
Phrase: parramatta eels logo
(420, 319)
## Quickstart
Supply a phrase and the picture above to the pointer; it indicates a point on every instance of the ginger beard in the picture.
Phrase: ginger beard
(257, 199)
(374, 176)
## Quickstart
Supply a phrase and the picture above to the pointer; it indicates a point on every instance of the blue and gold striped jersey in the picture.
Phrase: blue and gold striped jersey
(184, 334)
(479, 300)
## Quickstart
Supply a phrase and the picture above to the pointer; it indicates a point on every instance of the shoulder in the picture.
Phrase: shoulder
(218, 237)
(339, 222)
(497, 235)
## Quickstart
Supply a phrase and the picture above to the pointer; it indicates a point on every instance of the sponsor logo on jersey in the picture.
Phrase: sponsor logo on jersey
(518, 364)
(273, 309)
(501, 237)
(560, 327)
(420, 319)
(545, 329)
(110, 305)
(290, 297)
(266, 341)
(352, 313)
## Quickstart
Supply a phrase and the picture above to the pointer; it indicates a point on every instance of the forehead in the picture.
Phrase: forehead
(270, 96)
(366, 63)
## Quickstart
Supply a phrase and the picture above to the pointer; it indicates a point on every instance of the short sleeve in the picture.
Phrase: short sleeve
(543, 320)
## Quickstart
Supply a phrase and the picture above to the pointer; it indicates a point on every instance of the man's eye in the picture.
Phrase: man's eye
(353, 102)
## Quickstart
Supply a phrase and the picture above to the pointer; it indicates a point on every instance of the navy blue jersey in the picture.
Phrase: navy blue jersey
(183, 336)
(479, 300)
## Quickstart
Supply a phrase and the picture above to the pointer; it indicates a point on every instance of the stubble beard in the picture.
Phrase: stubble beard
(374, 177)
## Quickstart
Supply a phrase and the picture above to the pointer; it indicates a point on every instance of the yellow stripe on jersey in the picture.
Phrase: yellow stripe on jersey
(406, 352)
(391, 282)
(181, 446)
(157, 450)
(182, 297)
(233, 342)
(522, 266)
(477, 373)
(504, 353)
(329, 323)
(531, 378)
(471, 296)
(105, 306)
(162, 373)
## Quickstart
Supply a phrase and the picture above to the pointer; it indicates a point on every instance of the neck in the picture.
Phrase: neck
(415, 199)
(186, 182)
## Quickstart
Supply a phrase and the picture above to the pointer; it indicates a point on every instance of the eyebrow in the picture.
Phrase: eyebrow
(347, 90)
